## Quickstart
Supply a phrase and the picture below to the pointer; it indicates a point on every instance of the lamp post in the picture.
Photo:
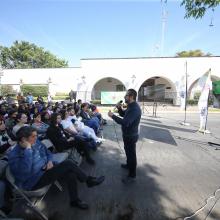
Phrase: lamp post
(21, 82)
(49, 82)
(84, 82)
(133, 79)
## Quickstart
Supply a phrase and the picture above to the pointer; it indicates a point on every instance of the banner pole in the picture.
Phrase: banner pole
(186, 95)
(207, 109)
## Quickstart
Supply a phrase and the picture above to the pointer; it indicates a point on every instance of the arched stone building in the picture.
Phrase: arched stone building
(151, 77)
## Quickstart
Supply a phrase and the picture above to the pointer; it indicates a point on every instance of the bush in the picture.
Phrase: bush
(7, 90)
(195, 102)
(61, 98)
(192, 102)
(35, 90)
(61, 94)
(96, 102)
(197, 95)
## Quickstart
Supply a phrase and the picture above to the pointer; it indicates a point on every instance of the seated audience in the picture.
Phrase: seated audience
(32, 167)
(81, 127)
(62, 141)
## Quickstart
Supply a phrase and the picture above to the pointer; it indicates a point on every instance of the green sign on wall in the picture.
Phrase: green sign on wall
(112, 98)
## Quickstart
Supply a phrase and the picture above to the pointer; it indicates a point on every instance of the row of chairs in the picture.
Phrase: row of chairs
(33, 198)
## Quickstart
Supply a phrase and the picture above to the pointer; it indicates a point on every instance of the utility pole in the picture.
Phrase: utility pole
(164, 21)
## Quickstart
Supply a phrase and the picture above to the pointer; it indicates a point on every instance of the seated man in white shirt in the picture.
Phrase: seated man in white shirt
(81, 127)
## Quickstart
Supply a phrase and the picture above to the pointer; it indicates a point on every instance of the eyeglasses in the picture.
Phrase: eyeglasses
(34, 135)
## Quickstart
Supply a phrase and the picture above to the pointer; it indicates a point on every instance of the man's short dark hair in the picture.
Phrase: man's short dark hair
(133, 93)
(24, 132)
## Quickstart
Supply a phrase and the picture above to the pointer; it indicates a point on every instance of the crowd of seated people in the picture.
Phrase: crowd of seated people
(25, 125)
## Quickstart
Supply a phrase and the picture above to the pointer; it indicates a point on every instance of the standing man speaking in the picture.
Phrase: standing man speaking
(129, 123)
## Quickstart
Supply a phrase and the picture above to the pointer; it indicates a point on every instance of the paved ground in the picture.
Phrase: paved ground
(177, 172)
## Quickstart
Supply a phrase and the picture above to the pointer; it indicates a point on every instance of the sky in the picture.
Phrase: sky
(73, 29)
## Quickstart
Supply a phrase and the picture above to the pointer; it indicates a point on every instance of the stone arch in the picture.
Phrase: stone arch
(157, 88)
(193, 87)
(110, 84)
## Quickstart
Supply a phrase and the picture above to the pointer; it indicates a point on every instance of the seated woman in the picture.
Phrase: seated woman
(62, 141)
(91, 122)
(21, 120)
(81, 128)
(10, 122)
(5, 140)
(45, 117)
(95, 113)
(32, 167)
(40, 126)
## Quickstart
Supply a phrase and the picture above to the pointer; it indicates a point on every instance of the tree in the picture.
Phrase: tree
(198, 8)
(27, 55)
(192, 53)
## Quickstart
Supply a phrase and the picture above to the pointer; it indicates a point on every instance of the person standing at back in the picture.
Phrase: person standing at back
(129, 121)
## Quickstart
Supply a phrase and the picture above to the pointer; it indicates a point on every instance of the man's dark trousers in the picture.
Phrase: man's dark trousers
(130, 150)
(67, 171)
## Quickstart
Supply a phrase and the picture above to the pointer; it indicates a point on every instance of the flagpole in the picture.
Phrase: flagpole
(186, 94)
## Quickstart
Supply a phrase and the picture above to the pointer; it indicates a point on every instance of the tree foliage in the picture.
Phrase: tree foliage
(27, 55)
(192, 53)
(198, 8)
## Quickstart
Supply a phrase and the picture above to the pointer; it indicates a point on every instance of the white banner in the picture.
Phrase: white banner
(206, 84)
(182, 92)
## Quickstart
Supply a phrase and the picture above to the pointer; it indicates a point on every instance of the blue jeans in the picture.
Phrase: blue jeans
(93, 123)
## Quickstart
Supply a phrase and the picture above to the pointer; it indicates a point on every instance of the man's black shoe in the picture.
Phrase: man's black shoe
(128, 180)
(94, 181)
(79, 204)
(124, 166)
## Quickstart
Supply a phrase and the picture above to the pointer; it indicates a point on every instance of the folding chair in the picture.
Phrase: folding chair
(36, 195)
(71, 154)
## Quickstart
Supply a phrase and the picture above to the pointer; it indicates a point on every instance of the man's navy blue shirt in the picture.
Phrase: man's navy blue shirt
(131, 119)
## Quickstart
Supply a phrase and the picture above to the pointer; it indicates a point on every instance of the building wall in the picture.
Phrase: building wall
(124, 69)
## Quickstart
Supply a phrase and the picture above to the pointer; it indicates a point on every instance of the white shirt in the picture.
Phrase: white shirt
(68, 124)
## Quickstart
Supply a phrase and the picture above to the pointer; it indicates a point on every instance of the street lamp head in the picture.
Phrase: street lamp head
(133, 77)
(83, 79)
(49, 80)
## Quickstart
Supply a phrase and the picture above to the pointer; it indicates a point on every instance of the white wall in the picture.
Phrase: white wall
(64, 79)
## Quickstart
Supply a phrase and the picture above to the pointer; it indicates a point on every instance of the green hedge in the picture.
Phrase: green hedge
(61, 98)
(96, 102)
(195, 102)
(35, 90)
(61, 94)
(192, 102)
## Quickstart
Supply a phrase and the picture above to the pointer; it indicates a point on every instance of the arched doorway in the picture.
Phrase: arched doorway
(108, 84)
(157, 89)
(195, 90)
